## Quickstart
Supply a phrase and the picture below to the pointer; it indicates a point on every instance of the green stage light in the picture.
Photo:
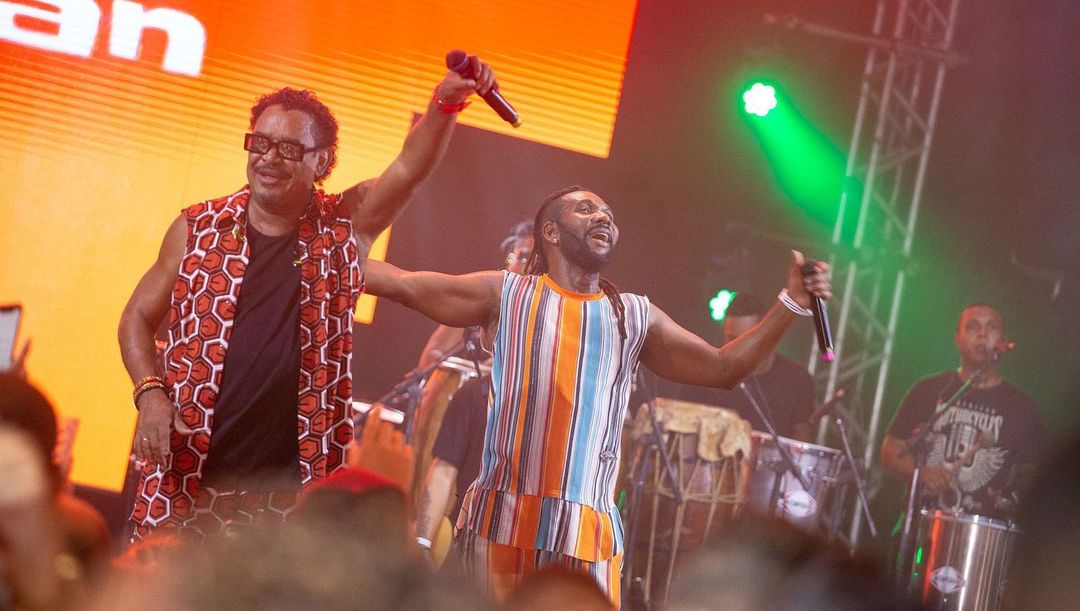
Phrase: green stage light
(807, 166)
(718, 305)
(759, 99)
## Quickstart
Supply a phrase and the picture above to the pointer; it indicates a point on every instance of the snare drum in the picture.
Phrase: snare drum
(773, 490)
(962, 560)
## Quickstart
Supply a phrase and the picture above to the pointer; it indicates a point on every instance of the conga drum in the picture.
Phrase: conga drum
(705, 445)
(439, 389)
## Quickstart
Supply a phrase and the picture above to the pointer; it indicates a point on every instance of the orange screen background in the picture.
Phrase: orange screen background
(100, 153)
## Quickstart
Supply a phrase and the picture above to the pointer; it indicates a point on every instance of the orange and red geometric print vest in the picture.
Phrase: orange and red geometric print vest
(208, 286)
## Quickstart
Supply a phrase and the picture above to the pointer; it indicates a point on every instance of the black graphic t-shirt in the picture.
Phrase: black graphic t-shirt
(983, 437)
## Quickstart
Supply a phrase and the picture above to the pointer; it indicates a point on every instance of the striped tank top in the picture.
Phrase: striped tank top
(560, 384)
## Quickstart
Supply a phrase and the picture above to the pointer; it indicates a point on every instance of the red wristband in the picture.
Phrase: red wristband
(446, 107)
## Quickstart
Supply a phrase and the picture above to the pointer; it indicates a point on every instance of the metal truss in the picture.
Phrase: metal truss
(909, 52)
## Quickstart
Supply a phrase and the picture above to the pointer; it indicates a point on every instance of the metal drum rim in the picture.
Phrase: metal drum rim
(968, 518)
(805, 444)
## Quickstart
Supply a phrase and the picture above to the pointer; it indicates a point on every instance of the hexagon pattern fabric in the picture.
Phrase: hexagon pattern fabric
(203, 306)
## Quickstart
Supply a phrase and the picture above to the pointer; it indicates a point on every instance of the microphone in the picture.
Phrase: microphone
(473, 344)
(821, 318)
(1001, 348)
(826, 407)
(458, 61)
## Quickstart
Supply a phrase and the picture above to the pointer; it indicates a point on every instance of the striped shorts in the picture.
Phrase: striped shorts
(498, 568)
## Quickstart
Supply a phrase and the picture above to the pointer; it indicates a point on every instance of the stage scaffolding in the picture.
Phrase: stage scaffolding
(900, 92)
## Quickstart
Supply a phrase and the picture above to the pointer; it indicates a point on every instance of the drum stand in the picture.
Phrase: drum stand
(409, 389)
(643, 454)
(788, 461)
(916, 446)
(860, 483)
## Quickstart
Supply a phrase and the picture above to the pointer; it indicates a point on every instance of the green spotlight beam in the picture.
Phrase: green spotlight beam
(808, 168)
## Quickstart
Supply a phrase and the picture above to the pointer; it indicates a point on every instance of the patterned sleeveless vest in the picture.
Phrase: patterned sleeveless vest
(207, 288)
(561, 381)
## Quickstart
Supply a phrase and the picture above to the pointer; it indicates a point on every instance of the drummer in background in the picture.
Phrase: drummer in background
(782, 388)
(458, 446)
(983, 451)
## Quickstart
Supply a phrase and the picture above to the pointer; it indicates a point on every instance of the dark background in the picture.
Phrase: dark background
(1002, 185)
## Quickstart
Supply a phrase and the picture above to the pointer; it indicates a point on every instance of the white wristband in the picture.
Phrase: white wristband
(793, 305)
(424, 543)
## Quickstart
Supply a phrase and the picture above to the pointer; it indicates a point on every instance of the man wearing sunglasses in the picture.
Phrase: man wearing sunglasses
(260, 287)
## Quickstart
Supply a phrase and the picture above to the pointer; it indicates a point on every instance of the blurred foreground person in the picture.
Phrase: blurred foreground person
(345, 547)
(754, 564)
(1047, 575)
(55, 545)
(557, 587)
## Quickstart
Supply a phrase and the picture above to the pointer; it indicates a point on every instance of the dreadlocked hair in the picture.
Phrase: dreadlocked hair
(538, 263)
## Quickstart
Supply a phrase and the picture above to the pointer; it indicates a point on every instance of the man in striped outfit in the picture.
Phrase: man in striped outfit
(567, 344)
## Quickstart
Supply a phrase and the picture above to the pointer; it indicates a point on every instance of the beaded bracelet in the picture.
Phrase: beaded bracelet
(143, 390)
(793, 305)
(144, 385)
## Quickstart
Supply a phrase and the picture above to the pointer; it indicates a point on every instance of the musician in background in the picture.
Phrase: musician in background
(982, 452)
(516, 249)
(458, 446)
(782, 388)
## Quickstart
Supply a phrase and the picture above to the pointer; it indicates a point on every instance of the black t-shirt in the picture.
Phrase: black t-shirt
(984, 436)
(785, 393)
(461, 438)
(253, 443)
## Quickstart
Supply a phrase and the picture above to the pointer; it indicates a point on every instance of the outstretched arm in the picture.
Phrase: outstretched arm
(677, 354)
(454, 301)
(375, 208)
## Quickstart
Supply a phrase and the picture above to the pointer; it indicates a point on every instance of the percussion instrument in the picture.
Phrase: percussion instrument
(705, 445)
(773, 490)
(962, 560)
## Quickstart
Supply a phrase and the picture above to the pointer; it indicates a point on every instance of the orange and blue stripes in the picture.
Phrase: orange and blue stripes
(560, 384)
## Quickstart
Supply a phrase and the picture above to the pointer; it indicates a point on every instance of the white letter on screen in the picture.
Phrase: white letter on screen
(186, 42)
(77, 21)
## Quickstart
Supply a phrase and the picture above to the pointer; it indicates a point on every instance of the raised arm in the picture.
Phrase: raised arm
(677, 354)
(454, 301)
(143, 313)
(375, 208)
